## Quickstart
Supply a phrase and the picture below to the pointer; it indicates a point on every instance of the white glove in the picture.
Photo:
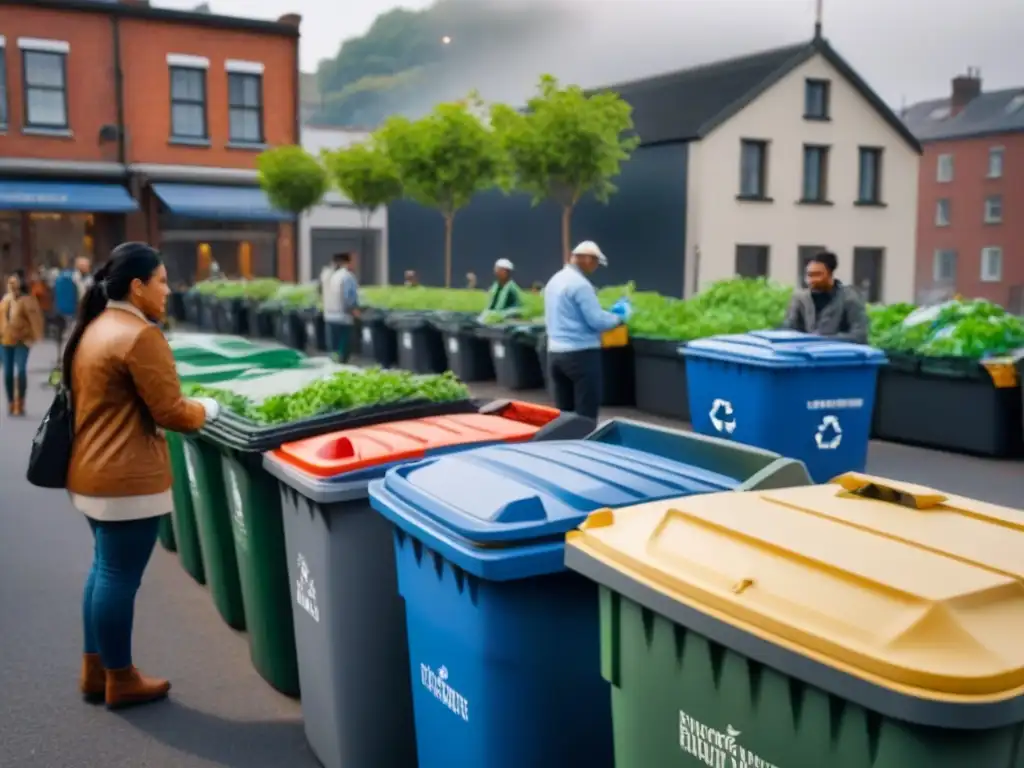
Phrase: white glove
(211, 406)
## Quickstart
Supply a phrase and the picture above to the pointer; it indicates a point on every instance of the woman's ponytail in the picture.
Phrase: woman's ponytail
(89, 308)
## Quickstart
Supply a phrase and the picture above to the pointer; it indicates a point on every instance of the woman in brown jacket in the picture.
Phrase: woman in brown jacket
(21, 326)
(124, 392)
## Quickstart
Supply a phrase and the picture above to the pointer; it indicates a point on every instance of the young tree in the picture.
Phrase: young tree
(365, 175)
(566, 144)
(293, 179)
(443, 159)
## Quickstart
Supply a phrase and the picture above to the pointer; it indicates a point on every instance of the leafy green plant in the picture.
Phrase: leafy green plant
(366, 175)
(293, 179)
(565, 145)
(342, 391)
(443, 159)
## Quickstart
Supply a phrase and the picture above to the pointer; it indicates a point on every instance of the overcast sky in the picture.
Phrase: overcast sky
(906, 49)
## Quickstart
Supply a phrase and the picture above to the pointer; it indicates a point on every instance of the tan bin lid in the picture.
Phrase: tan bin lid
(903, 586)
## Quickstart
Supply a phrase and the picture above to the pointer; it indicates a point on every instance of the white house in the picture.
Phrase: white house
(811, 159)
(336, 225)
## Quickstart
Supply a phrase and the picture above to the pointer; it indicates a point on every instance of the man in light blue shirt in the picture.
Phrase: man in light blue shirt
(575, 321)
(341, 305)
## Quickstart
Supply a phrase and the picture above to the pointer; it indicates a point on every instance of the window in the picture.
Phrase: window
(869, 189)
(995, 162)
(991, 264)
(816, 99)
(1015, 104)
(939, 113)
(804, 254)
(188, 103)
(942, 211)
(944, 169)
(245, 106)
(993, 209)
(752, 260)
(753, 169)
(44, 72)
(815, 174)
(944, 266)
(3, 82)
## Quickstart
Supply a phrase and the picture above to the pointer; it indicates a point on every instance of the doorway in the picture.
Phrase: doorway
(325, 242)
(867, 273)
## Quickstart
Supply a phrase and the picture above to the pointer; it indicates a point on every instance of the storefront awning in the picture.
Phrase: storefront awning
(200, 201)
(65, 197)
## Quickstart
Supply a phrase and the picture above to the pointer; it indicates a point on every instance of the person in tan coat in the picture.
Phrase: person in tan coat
(124, 392)
(21, 326)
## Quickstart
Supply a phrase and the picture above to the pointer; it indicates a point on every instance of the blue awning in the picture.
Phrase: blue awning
(65, 196)
(202, 201)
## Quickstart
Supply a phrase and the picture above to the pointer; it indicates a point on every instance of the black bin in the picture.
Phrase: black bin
(514, 357)
(469, 356)
(659, 370)
(420, 346)
(291, 329)
(234, 318)
(176, 306)
(377, 340)
(618, 388)
(947, 403)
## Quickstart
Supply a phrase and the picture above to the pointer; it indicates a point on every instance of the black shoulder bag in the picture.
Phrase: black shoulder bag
(50, 456)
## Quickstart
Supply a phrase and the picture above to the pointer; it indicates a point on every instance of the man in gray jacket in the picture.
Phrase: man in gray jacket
(828, 308)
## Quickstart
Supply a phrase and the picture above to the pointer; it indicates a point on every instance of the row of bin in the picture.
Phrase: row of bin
(983, 401)
(505, 586)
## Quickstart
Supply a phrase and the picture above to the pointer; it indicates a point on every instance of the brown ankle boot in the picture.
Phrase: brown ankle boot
(93, 684)
(17, 408)
(127, 687)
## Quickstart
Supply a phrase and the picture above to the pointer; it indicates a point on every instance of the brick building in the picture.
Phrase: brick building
(970, 233)
(123, 121)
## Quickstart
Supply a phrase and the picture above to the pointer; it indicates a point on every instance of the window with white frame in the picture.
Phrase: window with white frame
(944, 169)
(44, 68)
(942, 212)
(245, 102)
(944, 266)
(991, 264)
(3, 82)
(993, 209)
(188, 97)
(753, 169)
(995, 162)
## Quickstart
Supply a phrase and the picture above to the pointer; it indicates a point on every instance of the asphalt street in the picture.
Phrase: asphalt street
(220, 712)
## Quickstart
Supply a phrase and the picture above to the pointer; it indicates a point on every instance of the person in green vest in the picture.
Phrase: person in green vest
(504, 297)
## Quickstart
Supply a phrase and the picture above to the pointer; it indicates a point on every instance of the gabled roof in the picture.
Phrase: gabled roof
(689, 104)
(987, 114)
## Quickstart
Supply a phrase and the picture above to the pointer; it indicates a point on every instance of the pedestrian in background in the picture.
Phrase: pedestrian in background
(827, 307)
(574, 322)
(341, 306)
(124, 392)
(504, 297)
(21, 326)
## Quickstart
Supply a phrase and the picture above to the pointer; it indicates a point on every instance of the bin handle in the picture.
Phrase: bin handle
(880, 489)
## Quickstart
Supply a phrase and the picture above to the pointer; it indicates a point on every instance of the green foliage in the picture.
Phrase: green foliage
(341, 391)
(365, 100)
(365, 174)
(443, 159)
(566, 145)
(293, 179)
(968, 329)
(260, 289)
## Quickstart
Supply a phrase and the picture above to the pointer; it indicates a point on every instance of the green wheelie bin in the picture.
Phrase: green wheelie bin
(238, 509)
(864, 623)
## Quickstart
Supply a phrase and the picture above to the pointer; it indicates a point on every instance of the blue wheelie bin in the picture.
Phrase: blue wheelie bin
(793, 393)
(504, 642)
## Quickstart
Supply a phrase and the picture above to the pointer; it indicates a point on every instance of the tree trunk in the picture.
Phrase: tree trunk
(449, 225)
(566, 233)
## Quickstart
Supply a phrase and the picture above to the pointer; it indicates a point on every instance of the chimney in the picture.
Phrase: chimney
(291, 19)
(966, 88)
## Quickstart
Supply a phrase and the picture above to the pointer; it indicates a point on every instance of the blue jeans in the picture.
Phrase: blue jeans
(15, 364)
(121, 553)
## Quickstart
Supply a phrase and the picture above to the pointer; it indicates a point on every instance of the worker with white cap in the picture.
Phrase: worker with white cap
(575, 321)
(504, 298)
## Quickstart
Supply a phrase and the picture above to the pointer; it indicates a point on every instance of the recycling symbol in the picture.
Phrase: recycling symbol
(723, 419)
(829, 434)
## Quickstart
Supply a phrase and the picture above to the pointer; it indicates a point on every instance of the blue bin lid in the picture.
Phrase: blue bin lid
(502, 511)
(783, 349)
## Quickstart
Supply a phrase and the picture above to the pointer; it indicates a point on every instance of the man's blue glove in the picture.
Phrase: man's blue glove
(623, 308)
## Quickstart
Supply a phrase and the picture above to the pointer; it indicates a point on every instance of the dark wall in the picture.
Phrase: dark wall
(642, 230)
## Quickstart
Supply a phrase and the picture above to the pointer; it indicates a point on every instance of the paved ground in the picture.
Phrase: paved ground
(221, 713)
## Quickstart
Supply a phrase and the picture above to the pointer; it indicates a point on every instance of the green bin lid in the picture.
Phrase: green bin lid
(190, 373)
(213, 349)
